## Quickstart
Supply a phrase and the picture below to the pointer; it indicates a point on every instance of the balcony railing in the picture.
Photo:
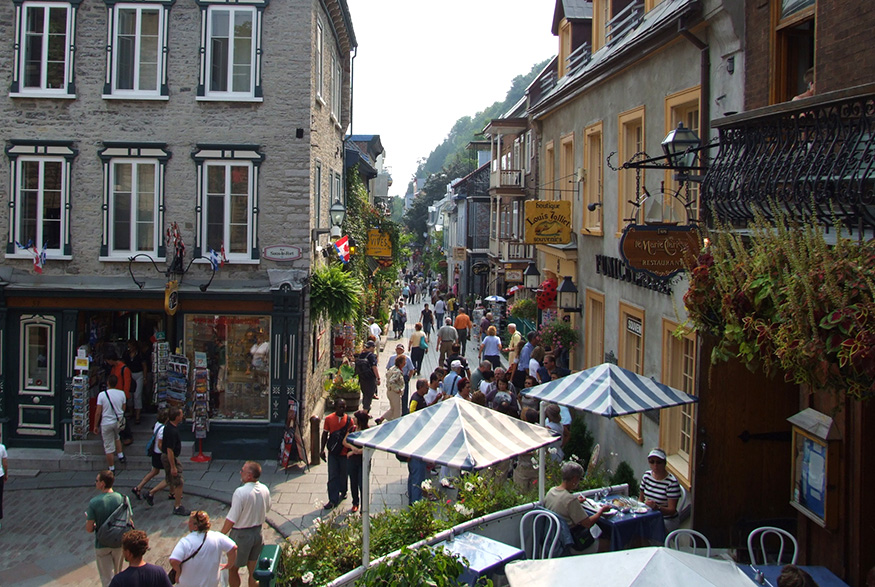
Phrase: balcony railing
(516, 251)
(623, 22)
(506, 178)
(478, 241)
(578, 59)
(813, 158)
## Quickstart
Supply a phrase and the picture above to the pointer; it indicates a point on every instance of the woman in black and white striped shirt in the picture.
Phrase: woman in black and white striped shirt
(660, 489)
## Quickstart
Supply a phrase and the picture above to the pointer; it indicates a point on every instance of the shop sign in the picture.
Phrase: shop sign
(548, 222)
(633, 326)
(660, 250)
(459, 253)
(281, 253)
(513, 275)
(379, 244)
(171, 297)
(480, 268)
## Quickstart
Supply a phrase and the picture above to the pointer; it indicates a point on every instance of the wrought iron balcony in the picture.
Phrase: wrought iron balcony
(815, 158)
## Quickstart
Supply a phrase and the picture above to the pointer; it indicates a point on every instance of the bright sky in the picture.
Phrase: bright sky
(422, 65)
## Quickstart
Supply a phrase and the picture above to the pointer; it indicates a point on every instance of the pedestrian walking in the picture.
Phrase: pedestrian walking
(394, 389)
(416, 348)
(490, 347)
(196, 559)
(354, 459)
(137, 365)
(440, 308)
(249, 506)
(139, 573)
(155, 455)
(171, 446)
(335, 429)
(109, 417)
(369, 377)
(407, 370)
(463, 325)
(101, 507)
(446, 336)
(426, 317)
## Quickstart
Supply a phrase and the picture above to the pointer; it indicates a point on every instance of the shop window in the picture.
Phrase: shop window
(682, 107)
(238, 354)
(44, 50)
(631, 143)
(40, 198)
(595, 328)
(631, 357)
(676, 431)
(593, 187)
(231, 51)
(37, 350)
(137, 51)
(319, 65)
(793, 49)
(133, 199)
(228, 200)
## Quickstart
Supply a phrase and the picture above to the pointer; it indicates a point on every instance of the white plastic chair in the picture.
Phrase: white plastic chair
(548, 535)
(692, 537)
(766, 531)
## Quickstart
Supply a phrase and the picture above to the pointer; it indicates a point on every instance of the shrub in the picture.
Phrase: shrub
(422, 566)
(624, 474)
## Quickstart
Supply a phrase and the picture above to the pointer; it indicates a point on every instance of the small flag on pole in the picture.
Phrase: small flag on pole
(342, 247)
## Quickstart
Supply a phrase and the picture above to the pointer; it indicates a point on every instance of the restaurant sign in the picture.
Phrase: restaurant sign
(661, 250)
(548, 222)
(379, 244)
(281, 253)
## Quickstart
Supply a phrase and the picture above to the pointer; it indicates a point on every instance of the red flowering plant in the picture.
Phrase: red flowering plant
(783, 300)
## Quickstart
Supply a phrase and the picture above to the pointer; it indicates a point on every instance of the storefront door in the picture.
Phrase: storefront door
(34, 389)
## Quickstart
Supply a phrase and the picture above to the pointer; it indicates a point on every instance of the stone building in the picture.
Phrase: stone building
(222, 120)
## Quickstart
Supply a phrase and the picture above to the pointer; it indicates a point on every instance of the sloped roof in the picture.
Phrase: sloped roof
(572, 10)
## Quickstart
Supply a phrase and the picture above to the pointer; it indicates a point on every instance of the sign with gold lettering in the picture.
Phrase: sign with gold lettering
(379, 244)
(171, 297)
(548, 222)
(660, 250)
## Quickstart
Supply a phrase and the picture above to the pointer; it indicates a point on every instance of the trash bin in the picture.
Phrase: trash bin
(267, 566)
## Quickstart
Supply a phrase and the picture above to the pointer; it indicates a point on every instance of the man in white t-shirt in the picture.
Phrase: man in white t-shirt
(376, 331)
(249, 507)
(201, 568)
(110, 409)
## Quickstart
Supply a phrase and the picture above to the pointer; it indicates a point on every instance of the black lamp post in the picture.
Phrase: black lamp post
(567, 296)
(680, 147)
(532, 277)
(337, 213)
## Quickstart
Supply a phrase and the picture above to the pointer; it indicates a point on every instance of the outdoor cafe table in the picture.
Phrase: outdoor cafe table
(484, 555)
(821, 575)
(625, 528)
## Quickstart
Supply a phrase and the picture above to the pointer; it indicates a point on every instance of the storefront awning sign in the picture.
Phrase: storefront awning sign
(661, 250)
(548, 222)
(379, 244)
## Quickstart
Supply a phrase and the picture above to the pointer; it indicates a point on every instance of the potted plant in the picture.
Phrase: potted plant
(560, 336)
(525, 309)
(343, 383)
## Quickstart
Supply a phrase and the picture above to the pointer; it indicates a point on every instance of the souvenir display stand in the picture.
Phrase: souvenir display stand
(160, 357)
(200, 405)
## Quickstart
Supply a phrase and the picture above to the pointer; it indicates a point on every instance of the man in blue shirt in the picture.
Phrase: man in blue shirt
(519, 376)
(451, 381)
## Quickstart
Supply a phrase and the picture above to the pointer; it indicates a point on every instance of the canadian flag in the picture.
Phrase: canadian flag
(342, 247)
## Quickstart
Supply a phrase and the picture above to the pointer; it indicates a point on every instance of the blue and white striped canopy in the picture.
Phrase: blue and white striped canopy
(609, 390)
(456, 433)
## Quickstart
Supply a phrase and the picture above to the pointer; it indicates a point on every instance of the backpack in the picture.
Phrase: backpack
(110, 533)
(150, 447)
(363, 366)
(335, 439)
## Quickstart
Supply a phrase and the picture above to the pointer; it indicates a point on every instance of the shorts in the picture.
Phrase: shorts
(156, 461)
(172, 482)
(249, 543)
(110, 435)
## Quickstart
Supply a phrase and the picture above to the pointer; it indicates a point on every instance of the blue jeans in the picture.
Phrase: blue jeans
(354, 466)
(416, 475)
(336, 477)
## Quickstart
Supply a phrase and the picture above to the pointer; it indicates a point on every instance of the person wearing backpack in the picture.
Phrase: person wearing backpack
(336, 427)
(369, 377)
(153, 451)
(100, 508)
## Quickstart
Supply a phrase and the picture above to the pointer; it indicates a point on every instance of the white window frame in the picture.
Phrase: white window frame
(335, 90)
(110, 86)
(320, 60)
(317, 195)
(45, 151)
(338, 187)
(208, 156)
(17, 88)
(137, 154)
(208, 10)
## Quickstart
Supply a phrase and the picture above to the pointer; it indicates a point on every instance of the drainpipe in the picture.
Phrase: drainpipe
(704, 83)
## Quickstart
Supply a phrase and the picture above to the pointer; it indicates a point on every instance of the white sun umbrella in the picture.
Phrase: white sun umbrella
(495, 299)
(607, 390)
(456, 433)
(653, 566)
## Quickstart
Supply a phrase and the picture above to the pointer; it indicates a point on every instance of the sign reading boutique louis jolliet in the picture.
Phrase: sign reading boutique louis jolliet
(662, 250)
(548, 222)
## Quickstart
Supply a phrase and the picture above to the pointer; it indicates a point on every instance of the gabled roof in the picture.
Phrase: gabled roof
(571, 10)
(369, 143)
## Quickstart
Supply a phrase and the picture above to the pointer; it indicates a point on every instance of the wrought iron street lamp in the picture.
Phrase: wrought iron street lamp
(680, 147)
(567, 296)
(532, 277)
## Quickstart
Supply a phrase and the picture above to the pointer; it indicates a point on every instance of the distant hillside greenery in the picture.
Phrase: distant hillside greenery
(451, 159)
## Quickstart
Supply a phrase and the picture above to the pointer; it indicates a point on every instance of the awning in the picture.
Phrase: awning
(456, 433)
(609, 390)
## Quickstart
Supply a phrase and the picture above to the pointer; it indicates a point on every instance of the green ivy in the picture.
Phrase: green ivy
(415, 568)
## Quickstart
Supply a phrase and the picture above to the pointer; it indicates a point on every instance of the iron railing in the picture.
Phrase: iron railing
(623, 22)
(813, 158)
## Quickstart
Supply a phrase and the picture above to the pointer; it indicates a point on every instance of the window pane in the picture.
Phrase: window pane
(242, 51)
(219, 50)
(145, 217)
(51, 236)
(57, 50)
(37, 356)
(215, 216)
(149, 50)
(121, 207)
(29, 200)
(33, 47)
(126, 48)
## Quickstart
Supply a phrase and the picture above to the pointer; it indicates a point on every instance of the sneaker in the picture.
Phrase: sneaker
(181, 511)
(328, 506)
(123, 460)
(136, 491)
(150, 499)
(171, 497)
(354, 509)
(342, 496)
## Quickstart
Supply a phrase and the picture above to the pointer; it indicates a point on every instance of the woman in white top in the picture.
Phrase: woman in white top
(535, 362)
(197, 557)
(490, 348)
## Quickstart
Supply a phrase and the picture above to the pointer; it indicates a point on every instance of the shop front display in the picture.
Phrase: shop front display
(237, 352)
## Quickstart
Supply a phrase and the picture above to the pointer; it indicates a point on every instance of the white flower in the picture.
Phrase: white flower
(445, 482)
(307, 577)
(552, 450)
(306, 550)
(535, 466)
(465, 511)
(426, 485)
(469, 487)
(317, 521)
(534, 462)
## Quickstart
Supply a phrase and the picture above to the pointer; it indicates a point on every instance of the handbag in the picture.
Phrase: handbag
(172, 574)
(121, 418)
(422, 343)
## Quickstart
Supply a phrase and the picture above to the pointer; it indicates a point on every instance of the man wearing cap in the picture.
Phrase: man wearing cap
(369, 379)
(660, 489)
(446, 336)
(452, 379)
(406, 370)
(463, 328)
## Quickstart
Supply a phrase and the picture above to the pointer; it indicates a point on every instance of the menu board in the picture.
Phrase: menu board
(809, 476)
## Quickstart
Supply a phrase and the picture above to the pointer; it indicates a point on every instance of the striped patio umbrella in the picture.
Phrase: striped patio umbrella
(456, 433)
(609, 390)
